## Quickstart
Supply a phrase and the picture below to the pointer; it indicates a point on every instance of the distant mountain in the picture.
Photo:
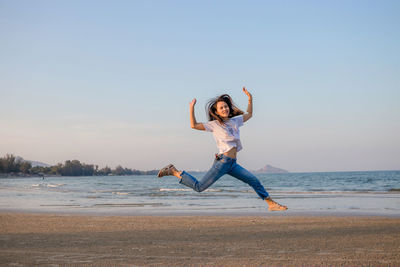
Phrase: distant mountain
(270, 169)
(38, 163)
(33, 163)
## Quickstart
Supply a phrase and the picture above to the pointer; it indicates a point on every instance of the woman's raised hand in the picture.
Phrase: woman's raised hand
(193, 102)
(247, 92)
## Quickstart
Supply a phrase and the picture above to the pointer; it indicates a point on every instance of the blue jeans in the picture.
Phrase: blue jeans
(224, 165)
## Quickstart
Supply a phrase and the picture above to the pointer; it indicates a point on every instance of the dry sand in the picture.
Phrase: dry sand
(59, 240)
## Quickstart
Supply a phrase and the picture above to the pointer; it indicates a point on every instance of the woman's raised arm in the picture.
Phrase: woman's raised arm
(249, 113)
(193, 122)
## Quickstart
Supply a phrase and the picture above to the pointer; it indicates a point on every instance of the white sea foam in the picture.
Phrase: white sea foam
(186, 190)
(120, 193)
(54, 185)
(174, 189)
(214, 190)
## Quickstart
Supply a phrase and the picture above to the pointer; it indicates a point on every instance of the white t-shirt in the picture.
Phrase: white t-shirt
(227, 136)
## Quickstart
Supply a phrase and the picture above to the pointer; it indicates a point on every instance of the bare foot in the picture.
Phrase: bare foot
(277, 207)
(175, 172)
(274, 206)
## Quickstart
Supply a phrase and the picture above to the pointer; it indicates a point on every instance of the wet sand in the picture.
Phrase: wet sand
(60, 240)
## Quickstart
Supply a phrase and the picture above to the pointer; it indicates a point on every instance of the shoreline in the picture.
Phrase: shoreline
(54, 239)
(200, 213)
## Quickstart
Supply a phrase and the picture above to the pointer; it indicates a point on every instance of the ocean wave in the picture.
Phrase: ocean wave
(355, 192)
(189, 190)
(101, 191)
(312, 192)
(127, 205)
(120, 193)
(47, 185)
(52, 185)
(174, 190)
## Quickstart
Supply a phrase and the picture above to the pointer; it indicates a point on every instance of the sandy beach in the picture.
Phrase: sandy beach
(59, 240)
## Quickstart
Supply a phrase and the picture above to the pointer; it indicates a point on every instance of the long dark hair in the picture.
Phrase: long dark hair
(211, 108)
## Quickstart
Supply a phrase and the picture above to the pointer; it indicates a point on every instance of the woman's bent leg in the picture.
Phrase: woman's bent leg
(245, 176)
(216, 171)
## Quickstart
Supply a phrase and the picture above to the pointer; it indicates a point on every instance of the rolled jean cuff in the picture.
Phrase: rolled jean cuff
(187, 180)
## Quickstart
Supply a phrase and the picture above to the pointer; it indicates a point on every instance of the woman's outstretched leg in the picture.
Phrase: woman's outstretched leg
(213, 174)
(216, 171)
(247, 177)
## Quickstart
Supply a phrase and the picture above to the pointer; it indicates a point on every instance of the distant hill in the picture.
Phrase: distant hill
(33, 163)
(270, 169)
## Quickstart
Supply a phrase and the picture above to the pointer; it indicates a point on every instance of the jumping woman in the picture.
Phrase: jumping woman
(224, 120)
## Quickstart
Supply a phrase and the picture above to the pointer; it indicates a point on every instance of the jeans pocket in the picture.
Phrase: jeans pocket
(218, 164)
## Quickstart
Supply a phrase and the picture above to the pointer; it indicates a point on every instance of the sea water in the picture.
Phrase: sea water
(358, 193)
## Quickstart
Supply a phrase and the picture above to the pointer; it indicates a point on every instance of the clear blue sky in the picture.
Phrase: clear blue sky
(109, 82)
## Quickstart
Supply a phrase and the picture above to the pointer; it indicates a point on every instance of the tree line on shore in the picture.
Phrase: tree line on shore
(10, 164)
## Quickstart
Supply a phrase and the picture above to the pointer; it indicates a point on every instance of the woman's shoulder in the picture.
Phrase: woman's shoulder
(210, 125)
(237, 119)
(237, 116)
(212, 122)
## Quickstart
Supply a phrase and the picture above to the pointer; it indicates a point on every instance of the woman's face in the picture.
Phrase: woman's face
(222, 109)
